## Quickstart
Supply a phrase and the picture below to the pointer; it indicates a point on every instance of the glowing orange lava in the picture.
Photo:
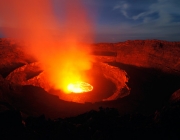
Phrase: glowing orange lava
(58, 43)
(79, 87)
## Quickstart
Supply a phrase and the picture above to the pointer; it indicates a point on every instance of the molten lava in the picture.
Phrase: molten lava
(79, 87)
(52, 39)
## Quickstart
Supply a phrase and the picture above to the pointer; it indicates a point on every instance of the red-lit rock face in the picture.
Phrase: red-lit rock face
(31, 74)
(150, 54)
(175, 96)
(156, 54)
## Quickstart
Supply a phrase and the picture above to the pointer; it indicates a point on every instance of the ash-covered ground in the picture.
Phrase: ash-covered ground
(149, 107)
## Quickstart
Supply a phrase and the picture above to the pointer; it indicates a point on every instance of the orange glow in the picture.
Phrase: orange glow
(56, 44)
(79, 87)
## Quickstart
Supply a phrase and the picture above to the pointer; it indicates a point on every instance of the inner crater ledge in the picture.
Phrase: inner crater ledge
(109, 82)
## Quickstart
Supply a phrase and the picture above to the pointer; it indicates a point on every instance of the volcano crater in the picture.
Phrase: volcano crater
(108, 82)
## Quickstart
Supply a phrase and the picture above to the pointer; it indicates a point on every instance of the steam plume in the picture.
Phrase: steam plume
(56, 44)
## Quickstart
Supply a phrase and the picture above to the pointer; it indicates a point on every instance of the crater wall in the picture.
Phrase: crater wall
(156, 54)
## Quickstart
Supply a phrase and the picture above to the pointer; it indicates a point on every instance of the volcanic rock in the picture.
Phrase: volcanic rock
(117, 76)
(156, 54)
(30, 73)
(12, 56)
(175, 96)
(147, 71)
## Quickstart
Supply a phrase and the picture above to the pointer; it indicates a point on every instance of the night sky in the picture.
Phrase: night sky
(121, 20)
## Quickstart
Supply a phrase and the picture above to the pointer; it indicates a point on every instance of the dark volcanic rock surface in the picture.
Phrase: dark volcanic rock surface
(152, 66)
(153, 70)
(156, 54)
(12, 56)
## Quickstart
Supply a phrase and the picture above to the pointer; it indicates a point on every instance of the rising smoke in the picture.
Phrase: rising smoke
(55, 42)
